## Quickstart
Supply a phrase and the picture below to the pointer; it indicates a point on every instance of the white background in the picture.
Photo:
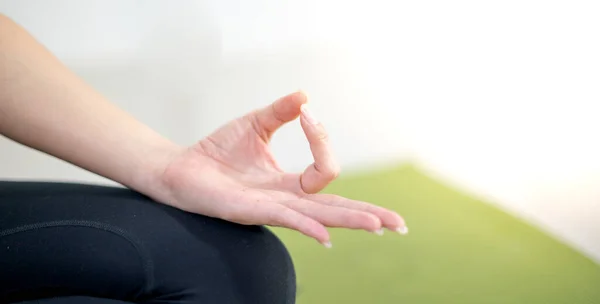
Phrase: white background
(498, 98)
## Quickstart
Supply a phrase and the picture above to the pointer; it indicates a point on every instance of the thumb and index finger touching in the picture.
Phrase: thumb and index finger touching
(316, 176)
(278, 113)
(324, 169)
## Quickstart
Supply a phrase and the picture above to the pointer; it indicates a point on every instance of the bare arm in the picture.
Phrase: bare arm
(45, 106)
(231, 174)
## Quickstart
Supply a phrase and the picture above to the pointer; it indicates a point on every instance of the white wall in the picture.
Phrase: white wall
(499, 98)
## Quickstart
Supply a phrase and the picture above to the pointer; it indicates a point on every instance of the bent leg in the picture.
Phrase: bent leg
(75, 300)
(60, 240)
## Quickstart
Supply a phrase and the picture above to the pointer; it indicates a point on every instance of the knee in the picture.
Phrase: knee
(268, 254)
(223, 262)
(263, 267)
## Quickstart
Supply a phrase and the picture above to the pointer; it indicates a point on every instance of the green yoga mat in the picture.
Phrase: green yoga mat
(459, 250)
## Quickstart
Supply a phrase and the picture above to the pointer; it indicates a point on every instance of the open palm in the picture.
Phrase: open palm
(233, 175)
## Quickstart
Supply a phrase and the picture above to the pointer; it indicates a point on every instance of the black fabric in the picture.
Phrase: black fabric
(74, 243)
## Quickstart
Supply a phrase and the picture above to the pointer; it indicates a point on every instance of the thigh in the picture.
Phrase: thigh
(60, 240)
(75, 300)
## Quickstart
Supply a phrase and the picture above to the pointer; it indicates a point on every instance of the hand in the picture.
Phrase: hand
(232, 175)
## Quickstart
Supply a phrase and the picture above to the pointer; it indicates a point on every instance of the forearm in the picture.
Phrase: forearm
(47, 107)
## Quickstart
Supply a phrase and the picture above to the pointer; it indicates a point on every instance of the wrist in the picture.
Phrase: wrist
(149, 179)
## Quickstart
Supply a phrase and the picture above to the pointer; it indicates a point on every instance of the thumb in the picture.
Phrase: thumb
(280, 112)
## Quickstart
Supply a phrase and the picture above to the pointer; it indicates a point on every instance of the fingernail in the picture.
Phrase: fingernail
(308, 115)
(327, 244)
(379, 231)
(402, 230)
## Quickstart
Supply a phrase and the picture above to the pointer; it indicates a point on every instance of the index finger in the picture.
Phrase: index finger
(324, 169)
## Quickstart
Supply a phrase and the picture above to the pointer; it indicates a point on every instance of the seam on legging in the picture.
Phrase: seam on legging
(144, 256)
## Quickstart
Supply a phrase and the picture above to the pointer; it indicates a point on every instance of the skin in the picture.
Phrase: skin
(230, 174)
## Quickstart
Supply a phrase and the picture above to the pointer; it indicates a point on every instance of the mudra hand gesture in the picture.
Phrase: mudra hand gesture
(232, 174)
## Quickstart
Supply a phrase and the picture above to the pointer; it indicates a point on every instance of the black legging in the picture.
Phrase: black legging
(73, 243)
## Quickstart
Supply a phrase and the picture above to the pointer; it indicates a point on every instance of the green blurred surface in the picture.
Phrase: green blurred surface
(459, 250)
